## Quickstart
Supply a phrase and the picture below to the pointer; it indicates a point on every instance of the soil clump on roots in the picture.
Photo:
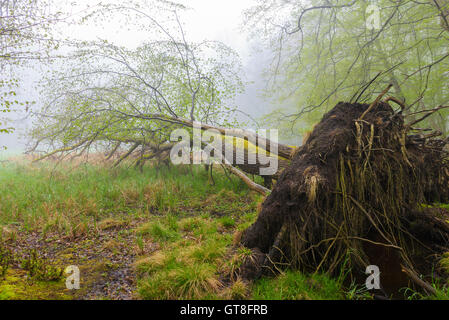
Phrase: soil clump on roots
(354, 195)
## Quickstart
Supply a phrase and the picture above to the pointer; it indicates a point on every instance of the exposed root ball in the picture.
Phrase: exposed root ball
(354, 193)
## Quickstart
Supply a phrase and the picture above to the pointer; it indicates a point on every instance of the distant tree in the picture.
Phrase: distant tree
(108, 98)
(330, 50)
(24, 38)
(109, 94)
(105, 94)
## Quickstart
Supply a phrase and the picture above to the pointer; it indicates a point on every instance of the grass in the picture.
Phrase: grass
(297, 286)
(69, 200)
(181, 229)
(159, 231)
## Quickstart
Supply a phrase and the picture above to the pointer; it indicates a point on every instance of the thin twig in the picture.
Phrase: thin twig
(428, 113)
(413, 276)
(375, 102)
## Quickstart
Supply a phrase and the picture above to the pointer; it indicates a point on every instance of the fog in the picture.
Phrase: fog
(204, 20)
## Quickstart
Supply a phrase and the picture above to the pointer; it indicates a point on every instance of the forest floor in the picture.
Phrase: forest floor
(163, 233)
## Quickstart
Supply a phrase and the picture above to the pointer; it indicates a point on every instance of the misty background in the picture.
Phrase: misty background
(204, 20)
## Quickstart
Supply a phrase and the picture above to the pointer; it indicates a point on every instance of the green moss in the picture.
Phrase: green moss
(8, 292)
(442, 205)
(40, 269)
(16, 286)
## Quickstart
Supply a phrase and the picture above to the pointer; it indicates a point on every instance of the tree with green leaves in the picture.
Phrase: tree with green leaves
(105, 92)
(109, 98)
(337, 50)
(24, 38)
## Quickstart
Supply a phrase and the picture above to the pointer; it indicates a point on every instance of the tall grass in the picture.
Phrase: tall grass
(42, 197)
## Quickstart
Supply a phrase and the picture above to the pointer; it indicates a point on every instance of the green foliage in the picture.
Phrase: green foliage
(105, 93)
(336, 52)
(24, 37)
(40, 269)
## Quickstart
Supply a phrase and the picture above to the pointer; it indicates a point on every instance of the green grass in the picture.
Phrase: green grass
(188, 219)
(297, 286)
(159, 231)
(187, 265)
(188, 224)
(64, 199)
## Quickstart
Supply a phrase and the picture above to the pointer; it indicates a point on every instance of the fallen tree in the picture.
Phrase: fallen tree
(141, 150)
(353, 196)
(126, 103)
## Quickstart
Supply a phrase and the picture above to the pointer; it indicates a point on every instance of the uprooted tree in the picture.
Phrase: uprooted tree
(126, 103)
(353, 196)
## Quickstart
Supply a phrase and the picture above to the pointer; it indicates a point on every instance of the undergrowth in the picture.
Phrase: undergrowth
(184, 230)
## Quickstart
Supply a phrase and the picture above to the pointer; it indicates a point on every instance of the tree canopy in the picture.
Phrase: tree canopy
(105, 93)
(329, 51)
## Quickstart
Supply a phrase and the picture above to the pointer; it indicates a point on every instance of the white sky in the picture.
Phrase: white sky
(208, 19)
